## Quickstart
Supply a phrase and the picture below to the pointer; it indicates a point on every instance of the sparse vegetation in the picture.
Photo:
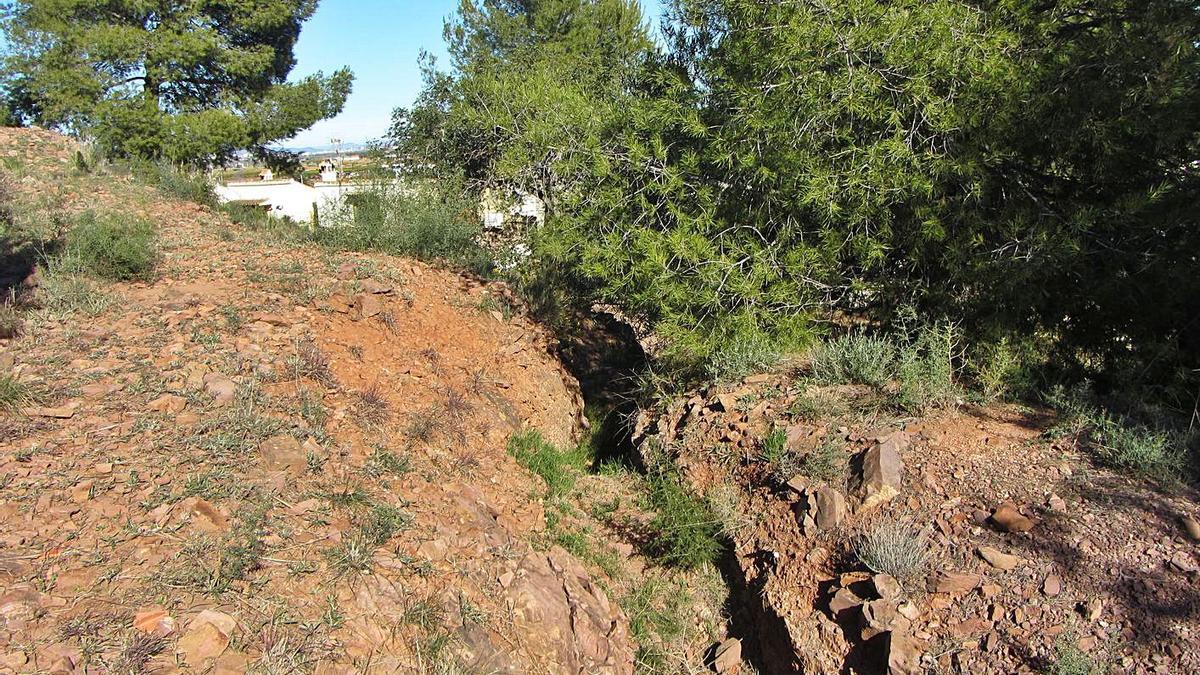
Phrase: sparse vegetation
(557, 468)
(895, 548)
(12, 392)
(111, 247)
(686, 529)
(1121, 443)
(214, 566)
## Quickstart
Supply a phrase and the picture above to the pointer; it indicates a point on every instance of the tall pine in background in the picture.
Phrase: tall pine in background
(189, 82)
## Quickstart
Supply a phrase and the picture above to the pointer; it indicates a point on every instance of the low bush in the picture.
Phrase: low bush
(1071, 660)
(782, 462)
(191, 186)
(431, 224)
(685, 527)
(916, 365)
(10, 321)
(856, 358)
(1120, 443)
(890, 547)
(112, 248)
(742, 357)
(925, 368)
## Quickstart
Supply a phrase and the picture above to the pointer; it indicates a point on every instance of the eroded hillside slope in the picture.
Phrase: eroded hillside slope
(277, 459)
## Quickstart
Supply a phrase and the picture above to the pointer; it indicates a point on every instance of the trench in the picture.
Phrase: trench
(604, 355)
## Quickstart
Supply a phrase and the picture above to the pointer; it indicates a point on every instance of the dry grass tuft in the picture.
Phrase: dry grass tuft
(895, 548)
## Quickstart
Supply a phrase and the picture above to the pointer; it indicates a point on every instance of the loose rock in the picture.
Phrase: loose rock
(1008, 518)
(998, 559)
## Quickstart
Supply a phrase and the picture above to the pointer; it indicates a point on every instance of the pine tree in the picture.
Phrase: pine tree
(187, 82)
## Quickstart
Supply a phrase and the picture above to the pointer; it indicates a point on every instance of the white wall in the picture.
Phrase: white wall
(287, 198)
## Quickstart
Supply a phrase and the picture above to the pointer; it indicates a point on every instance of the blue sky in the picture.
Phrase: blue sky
(380, 41)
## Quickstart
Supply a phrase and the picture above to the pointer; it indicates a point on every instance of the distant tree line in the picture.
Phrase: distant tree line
(1027, 168)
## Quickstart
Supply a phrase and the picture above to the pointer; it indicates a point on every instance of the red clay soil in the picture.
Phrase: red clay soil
(277, 458)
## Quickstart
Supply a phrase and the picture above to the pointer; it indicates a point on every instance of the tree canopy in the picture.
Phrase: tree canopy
(187, 82)
(1025, 168)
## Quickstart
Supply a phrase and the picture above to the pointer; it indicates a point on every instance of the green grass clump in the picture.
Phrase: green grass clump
(112, 248)
(857, 358)
(1118, 443)
(557, 468)
(12, 393)
(686, 529)
(191, 186)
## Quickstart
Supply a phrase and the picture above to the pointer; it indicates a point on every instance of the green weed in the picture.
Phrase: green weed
(557, 468)
(112, 248)
(687, 530)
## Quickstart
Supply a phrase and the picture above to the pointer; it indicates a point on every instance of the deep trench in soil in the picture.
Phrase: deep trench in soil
(604, 354)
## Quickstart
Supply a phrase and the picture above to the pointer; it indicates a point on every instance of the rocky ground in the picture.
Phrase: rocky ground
(1037, 559)
(276, 458)
(280, 458)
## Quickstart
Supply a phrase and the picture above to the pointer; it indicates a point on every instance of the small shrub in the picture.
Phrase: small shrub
(1071, 660)
(1120, 443)
(246, 216)
(557, 468)
(10, 321)
(423, 425)
(743, 356)
(659, 618)
(686, 528)
(890, 547)
(925, 368)
(178, 182)
(857, 358)
(111, 248)
(422, 221)
(353, 555)
(827, 461)
(372, 407)
(729, 508)
(382, 523)
(12, 393)
(385, 461)
(782, 462)
(311, 361)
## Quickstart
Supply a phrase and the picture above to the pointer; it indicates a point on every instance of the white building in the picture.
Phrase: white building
(289, 198)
